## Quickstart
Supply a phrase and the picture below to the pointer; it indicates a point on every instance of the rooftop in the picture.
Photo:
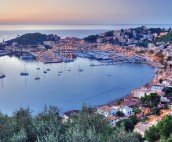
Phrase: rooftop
(70, 113)
(105, 108)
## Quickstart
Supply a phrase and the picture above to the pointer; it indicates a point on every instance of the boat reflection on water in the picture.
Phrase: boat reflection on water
(1, 74)
(24, 73)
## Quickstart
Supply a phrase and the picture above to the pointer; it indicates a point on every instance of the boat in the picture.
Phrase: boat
(24, 73)
(80, 70)
(60, 72)
(38, 68)
(48, 69)
(45, 71)
(109, 75)
(92, 65)
(1, 74)
(37, 78)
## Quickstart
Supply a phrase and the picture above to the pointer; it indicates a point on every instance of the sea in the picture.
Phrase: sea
(8, 32)
(71, 89)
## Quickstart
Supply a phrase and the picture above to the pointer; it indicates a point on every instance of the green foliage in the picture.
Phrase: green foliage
(169, 58)
(136, 110)
(168, 91)
(165, 38)
(155, 111)
(151, 51)
(86, 126)
(120, 114)
(160, 80)
(128, 124)
(152, 134)
(161, 131)
(119, 102)
(170, 66)
(156, 30)
(151, 100)
(144, 43)
(165, 126)
(91, 38)
(160, 55)
(109, 33)
(144, 119)
(141, 52)
(33, 39)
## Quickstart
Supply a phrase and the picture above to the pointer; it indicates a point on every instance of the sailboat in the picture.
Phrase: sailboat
(1, 74)
(80, 70)
(37, 78)
(24, 73)
(38, 68)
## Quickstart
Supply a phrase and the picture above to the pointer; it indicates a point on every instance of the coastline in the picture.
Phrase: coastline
(130, 95)
(114, 101)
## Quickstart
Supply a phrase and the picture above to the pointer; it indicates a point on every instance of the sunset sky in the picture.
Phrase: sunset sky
(85, 12)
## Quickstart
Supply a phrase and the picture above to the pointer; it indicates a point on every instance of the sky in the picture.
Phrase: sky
(85, 12)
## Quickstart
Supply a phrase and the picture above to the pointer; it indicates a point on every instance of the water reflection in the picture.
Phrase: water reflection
(66, 89)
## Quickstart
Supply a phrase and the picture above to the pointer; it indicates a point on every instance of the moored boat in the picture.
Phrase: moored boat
(1, 74)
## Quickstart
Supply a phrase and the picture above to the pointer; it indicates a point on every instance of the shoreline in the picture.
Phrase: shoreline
(114, 102)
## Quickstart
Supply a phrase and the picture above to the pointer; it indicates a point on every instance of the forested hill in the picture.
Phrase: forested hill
(33, 39)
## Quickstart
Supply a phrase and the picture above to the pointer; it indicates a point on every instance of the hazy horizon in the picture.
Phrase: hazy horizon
(77, 12)
(80, 27)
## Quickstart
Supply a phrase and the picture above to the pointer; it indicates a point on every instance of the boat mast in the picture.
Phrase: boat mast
(24, 67)
(1, 69)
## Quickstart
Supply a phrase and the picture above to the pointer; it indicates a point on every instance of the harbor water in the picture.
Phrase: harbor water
(64, 86)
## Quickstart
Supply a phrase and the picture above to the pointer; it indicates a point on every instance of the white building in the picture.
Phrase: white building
(113, 119)
(68, 114)
(151, 46)
(141, 128)
(49, 43)
(157, 88)
(141, 92)
(126, 110)
(106, 111)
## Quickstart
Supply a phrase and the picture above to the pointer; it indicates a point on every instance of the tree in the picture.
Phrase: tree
(86, 126)
(152, 134)
(120, 114)
(170, 66)
(136, 110)
(151, 100)
(160, 80)
(128, 124)
(161, 131)
(169, 58)
(151, 51)
(155, 111)
(160, 55)
(109, 33)
(91, 38)
(165, 126)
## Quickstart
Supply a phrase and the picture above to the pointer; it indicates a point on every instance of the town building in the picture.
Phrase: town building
(106, 111)
(67, 115)
(126, 110)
